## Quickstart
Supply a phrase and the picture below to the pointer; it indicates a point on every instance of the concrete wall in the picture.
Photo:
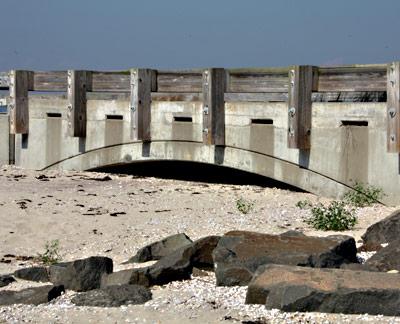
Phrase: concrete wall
(339, 154)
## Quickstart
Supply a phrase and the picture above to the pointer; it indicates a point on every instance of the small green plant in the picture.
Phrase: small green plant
(336, 217)
(363, 195)
(304, 204)
(51, 254)
(244, 206)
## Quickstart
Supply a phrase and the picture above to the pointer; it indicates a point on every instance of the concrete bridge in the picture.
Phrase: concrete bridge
(316, 128)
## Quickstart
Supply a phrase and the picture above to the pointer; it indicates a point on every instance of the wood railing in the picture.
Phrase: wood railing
(297, 85)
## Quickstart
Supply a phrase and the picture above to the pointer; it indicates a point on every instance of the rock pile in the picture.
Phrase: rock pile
(290, 271)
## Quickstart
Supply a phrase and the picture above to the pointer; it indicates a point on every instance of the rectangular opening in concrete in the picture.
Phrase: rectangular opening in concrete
(183, 119)
(362, 123)
(262, 121)
(54, 115)
(114, 117)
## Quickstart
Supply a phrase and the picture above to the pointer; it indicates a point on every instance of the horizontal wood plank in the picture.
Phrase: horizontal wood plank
(50, 81)
(179, 82)
(351, 79)
(176, 96)
(110, 81)
(257, 82)
(256, 97)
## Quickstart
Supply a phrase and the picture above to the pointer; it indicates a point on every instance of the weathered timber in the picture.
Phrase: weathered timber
(185, 81)
(256, 97)
(344, 96)
(176, 96)
(257, 82)
(393, 107)
(111, 81)
(214, 86)
(299, 108)
(357, 78)
(50, 81)
(142, 84)
(338, 96)
(20, 83)
(78, 83)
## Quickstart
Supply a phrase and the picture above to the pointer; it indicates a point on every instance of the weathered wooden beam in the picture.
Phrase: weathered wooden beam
(299, 107)
(256, 97)
(393, 107)
(214, 87)
(78, 83)
(142, 84)
(257, 82)
(185, 81)
(20, 82)
(177, 96)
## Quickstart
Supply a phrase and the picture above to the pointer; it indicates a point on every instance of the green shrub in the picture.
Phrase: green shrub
(51, 254)
(244, 206)
(335, 217)
(363, 195)
(304, 204)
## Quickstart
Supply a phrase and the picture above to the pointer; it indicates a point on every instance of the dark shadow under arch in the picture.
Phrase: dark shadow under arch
(194, 171)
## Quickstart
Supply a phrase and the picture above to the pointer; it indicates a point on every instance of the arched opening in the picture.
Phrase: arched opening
(194, 171)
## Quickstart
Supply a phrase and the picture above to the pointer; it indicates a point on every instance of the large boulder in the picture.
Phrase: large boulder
(175, 266)
(80, 275)
(5, 280)
(38, 274)
(292, 289)
(126, 277)
(159, 249)
(239, 253)
(34, 295)
(202, 252)
(384, 231)
(386, 259)
(113, 296)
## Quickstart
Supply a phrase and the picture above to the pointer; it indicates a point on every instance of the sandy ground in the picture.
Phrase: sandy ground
(116, 217)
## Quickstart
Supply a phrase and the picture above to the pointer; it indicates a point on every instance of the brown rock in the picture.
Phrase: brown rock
(291, 288)
(239, 253)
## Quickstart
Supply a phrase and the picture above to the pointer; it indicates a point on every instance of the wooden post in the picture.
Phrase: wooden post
(143, 82)
(393, 107)
(301, 85)
(214, 87)
(20, 83)
(78, 83)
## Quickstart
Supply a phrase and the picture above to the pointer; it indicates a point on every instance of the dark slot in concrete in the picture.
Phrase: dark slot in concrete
(114, 117)
(354, 123)
(54, 115)
(262, 121)
(183, 119)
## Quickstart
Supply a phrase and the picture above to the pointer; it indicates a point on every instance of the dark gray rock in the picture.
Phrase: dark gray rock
(203, 249)
(239, 253)
(34, 296)
(126, 277)
(385, 231)
(175, 266)
(386, 259)
(80, 275)
(113, 296)
(159, 249)
(5, 280)
(38, 274)
(301, 289)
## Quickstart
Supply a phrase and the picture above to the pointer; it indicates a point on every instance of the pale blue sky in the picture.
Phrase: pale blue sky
(110, 35)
